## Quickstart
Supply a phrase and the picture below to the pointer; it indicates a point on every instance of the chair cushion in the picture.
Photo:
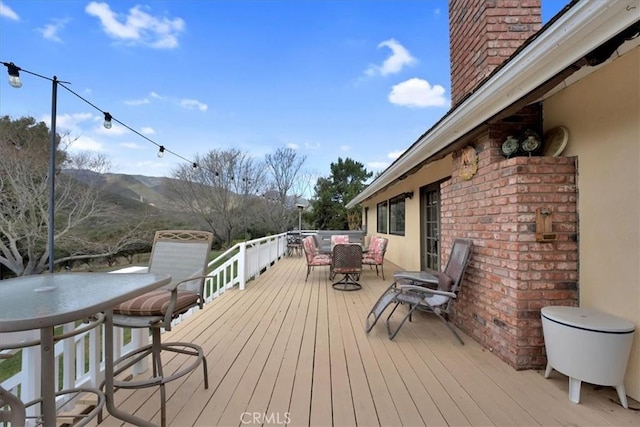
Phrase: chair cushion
(320, 260)
(371, 261)
(155, 303)
(445, 282)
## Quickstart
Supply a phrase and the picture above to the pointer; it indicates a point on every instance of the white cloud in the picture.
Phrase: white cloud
(7, 12)
(345, 148)
(148, 130)
(50, 31)
(68, 122)
(310, 146)
(395, 154)
(400, 57)
(137, 101)
(85, 143)
(138, 27)
(293, 146)
(417, 93)
(191, 104)
(187, 103)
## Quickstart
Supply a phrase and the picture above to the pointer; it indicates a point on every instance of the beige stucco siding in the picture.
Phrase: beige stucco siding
(404, 251)
(602, 113)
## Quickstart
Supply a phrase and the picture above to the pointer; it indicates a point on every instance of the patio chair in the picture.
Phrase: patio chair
(184, 255)
(437, 301)
(12, 410)
(347, 260)
(312, 253)
(294, 244)
(339, 239)
(375, 253)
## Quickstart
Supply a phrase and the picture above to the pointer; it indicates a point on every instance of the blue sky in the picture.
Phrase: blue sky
(354, 78)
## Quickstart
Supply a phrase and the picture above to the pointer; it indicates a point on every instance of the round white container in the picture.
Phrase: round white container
(587, 345)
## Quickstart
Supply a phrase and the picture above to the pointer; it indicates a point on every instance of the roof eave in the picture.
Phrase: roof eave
(573, 35)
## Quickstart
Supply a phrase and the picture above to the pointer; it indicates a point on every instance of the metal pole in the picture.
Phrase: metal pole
(52, 173)
(300, 221)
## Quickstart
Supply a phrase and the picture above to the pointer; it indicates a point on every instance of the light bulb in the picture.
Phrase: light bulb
(14, 75)
(107, 121)
(161, 151)
(15, 81)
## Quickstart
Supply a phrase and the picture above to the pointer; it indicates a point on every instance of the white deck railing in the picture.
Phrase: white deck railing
(80, 356)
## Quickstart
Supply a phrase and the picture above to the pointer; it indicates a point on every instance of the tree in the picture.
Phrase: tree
(220, 191)
(285, 168)
(24, 198)
(329, 212)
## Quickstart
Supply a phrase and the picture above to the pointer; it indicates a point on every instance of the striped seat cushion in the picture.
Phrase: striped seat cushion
(155, 303)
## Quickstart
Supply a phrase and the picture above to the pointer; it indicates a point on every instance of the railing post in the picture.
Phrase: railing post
(95, 373)
(68, 363)
(242, 262)
(31, 380)
(140, 338)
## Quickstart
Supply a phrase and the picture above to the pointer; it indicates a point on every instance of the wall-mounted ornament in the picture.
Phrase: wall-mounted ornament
(530, 142)
(544, 226)
(510, 146)
(468, 163)
(555, 140)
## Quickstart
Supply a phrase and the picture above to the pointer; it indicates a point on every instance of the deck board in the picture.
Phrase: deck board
(286, 351)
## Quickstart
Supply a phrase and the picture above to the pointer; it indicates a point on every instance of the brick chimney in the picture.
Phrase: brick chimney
(483, 33)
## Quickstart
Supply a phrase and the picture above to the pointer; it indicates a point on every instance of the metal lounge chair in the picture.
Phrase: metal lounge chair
(184, 255)
(407, 289)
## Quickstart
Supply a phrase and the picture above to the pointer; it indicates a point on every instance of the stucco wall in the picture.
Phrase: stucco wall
(602, 113)
(404, 251)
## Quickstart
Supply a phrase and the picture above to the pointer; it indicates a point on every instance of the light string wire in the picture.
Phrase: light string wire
(61, 83)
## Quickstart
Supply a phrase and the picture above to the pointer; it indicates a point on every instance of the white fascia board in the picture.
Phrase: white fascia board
(585, 26)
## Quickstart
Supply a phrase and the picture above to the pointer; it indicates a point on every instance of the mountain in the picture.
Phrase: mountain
(151, 191)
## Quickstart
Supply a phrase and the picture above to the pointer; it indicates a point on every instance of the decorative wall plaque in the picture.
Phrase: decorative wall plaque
(469, 163)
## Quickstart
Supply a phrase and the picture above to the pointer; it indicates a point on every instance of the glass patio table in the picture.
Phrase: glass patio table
(46, 301)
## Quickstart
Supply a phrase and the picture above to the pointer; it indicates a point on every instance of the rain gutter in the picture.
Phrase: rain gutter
(574, 34)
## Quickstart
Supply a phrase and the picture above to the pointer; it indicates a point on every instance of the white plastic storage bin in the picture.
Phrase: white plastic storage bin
(587, 345)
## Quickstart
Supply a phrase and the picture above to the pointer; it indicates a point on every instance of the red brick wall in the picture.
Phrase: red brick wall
(511, 276)
(482, 34)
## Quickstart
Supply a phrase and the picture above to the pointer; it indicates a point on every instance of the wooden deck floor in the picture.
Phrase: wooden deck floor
(286, 351)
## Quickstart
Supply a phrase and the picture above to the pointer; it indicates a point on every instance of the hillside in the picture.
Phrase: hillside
(151, 191)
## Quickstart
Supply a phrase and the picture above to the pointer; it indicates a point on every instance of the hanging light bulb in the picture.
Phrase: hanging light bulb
(161, 151)
(107, 121)
(14, 75)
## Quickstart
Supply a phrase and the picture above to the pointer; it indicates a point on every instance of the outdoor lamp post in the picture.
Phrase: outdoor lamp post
(300, 209)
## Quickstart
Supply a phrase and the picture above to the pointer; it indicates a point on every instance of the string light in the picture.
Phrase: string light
(107, 121)
(14, 80)
(14, 75)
